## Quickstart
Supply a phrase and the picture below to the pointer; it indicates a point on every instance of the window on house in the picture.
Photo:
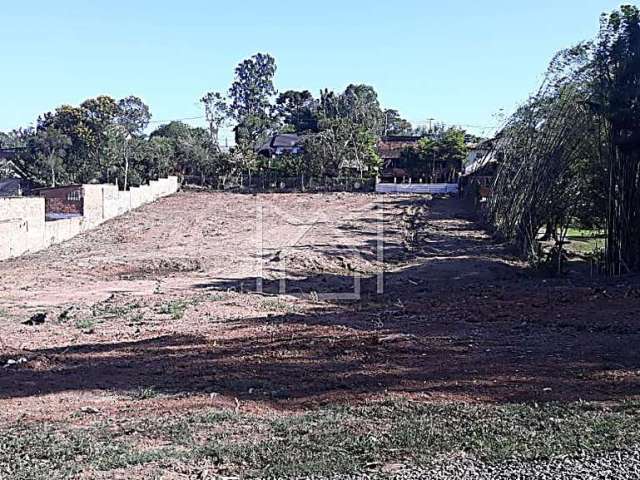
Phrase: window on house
(74, 196)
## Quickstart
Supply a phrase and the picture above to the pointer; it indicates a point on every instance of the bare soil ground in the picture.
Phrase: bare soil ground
(156, 313)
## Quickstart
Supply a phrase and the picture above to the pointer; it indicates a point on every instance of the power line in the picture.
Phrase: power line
(177, 119)
(429, 122)
(476, 126)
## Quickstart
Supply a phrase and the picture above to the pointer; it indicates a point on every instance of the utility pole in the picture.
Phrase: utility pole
(430, 120)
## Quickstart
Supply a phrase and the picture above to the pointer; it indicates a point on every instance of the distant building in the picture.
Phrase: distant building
(15, 187)
(482, 160)
(62, 202)
(390, 150)
(282, 144)
(9, 153)
(402, 164)
(481, 168)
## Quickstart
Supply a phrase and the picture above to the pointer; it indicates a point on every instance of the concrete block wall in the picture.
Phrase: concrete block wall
(63, 230)
(110, 201)
(22, 219)
(124, 202)
(102, 202)
(92, 197)
(21, 225)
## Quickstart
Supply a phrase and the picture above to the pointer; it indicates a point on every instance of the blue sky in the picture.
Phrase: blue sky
(458, 62)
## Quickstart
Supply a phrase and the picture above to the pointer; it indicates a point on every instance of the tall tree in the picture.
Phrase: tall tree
(132, 117)
(298, 110)
(100, 114)
(216, 112)
(342, 148)
(50, 147)
(617, 100)
(359, 103)
(88, 128)
(544, 152)
(251, 93)
(394, 124)
(437, 157)
(190, 148)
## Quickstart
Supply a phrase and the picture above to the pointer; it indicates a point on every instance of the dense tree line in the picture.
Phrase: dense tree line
(101, 140)
(105, 140)
(339, 131)
(108, 140)
(571, 153)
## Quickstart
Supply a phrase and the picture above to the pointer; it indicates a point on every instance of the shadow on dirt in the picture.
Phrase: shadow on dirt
(460, 322)
(503, 342)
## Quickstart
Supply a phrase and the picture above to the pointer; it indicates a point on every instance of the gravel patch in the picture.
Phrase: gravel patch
(612, 466)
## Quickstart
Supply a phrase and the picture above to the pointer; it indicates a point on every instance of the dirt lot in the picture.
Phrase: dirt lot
(156, 313)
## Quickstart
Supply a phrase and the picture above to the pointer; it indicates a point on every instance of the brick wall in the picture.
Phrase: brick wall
(67, 199)
(61, 205)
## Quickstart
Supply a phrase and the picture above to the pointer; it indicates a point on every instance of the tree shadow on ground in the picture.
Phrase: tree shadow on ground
(464, 324)
(504, 342)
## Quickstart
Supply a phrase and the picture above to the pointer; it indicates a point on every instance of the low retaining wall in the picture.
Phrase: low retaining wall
(23, 228)
(431, 188)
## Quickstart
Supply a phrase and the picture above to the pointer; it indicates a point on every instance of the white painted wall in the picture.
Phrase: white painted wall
(432, 188)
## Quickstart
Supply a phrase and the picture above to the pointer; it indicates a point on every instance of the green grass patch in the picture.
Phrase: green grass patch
(279, 305)
(109, 310)
(175, 309)
(86, 324)
(576, 233)
(48, 451)
(585, 241)
(144, 393)
(337, 440)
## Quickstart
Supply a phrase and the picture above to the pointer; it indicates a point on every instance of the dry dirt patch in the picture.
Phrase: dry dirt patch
(157, 312)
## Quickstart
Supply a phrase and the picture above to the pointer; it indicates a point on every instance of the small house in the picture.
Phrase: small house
(390, 149)
(282, 144)
(481, 168)
(62, 202)
(401, 160)
(482, 161)
(15, 187)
